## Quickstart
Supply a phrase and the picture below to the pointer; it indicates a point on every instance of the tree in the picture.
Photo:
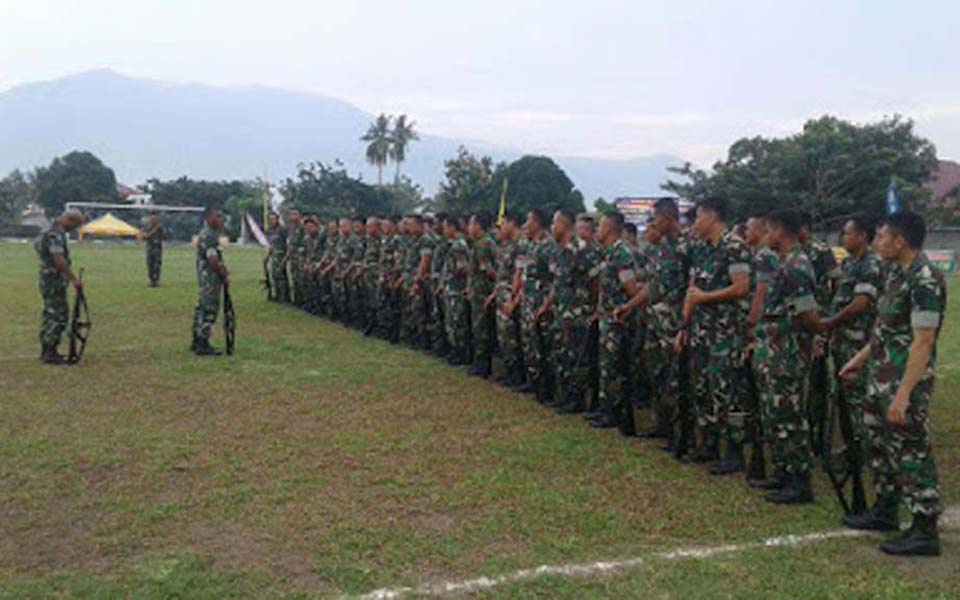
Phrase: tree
(17, 190)
(601, 206)
(77, 177)
(379, 139)
(196, 192)
(401, 136)
(535, 182)
(330, 192)
(404, 197)
(832, 168)
(467, 182)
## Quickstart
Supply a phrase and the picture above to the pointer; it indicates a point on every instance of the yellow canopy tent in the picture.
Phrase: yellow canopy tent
(109, 226)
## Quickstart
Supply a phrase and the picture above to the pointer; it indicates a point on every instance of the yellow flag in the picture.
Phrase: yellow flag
(503, 203)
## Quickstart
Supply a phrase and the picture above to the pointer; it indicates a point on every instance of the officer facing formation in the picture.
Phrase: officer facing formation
(211, 275)
(55, 275)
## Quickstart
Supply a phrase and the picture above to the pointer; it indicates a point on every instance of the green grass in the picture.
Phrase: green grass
(318, 462)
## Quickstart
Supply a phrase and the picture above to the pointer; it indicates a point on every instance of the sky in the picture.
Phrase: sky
(598, 78)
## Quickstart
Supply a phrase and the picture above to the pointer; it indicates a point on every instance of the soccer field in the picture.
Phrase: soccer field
(317, 462)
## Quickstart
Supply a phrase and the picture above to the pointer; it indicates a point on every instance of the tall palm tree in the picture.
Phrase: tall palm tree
(403, 134)
(378, 148)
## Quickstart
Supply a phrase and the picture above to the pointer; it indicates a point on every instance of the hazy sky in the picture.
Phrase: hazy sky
(590, 78)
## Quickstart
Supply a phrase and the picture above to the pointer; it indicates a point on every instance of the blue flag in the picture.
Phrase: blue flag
(893, 199)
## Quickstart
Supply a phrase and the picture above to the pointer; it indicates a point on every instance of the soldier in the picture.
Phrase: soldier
(312, 254)
(456, 272)
(211, 275)
(853, 311)
(720, 280)
(154, 238)
(617, 282)
(277, 258)
(341, 271)
(370, 275)
(535, 285)
(901, 361)
(508, 327)
(483, 276)
(389, 320)
(782, 360)
(322, 270)
(415, 271)
(295, 244)
(55, 273)
(441, 346)
(668, 285)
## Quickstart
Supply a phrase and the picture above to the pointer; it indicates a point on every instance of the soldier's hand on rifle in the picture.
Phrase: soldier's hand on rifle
(541, 311)
(680, 341)
(819, 346)
(897, 413)
(490, 299)
(77, 282)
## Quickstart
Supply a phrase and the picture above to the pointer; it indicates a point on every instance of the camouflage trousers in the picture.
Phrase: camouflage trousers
(371, 300)
(340, 295)
(534, 336)
(456, 320)
(389, 315)
(483, 325)
(902, 457)
(278, 279)
(296, 280)
(614, 370)
(508, 338)
(437, 309)
(154, 261)
(413, 314)
(784, 419)
(659, 359)
(717, 403)
(208, 306)
(53, 290)
(854, 392)
(325, 294)
(569, 355)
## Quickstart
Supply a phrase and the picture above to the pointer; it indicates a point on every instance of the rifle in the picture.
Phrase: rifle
(758, 464)
(80, 325)
(265, 282)
(229, 319)
(592, 353)
(684, 421)
(839, 412)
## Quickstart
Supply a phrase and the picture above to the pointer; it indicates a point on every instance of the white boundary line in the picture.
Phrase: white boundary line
(605, 567)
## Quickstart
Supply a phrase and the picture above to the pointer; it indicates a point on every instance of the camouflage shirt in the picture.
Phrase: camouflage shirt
(824, 269)
(371, 259)
(668, 285)
(484, 261)
(915, 297)
(419, 246)
(713, 269)
(457, 266)
(48, 244)
(389, 254)
(313, 251)
(277, 237)
(782, 343)
(857, 276)
(535, 276)
(154, 239)
(506, 266)
(616, 270)
(344, 253)
(208, 245)
(296, 241)
(564, 285)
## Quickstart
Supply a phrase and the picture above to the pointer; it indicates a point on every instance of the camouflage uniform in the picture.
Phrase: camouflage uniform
(508, 328)
(536, 282)
(438, 338)
(457, 266)
(857, 276)
(782, 359)
(902, 457)
(154, 239)
(574, 269)
(277, 238)
(617, 269)
(715, 344)
(370, 280)
(296, 240)
(763, 268)
(484, 257)
(356, 307)
(325, 282)
(312, 253)
(824, 271)
(414, 310)
(53, 285)
(342, 260)
(668, 286)
(209, 283)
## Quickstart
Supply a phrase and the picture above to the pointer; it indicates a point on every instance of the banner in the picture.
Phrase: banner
(638, 210)
(257, 232)
(945, 260)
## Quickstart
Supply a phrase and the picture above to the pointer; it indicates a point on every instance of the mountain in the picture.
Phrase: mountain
(144, 128)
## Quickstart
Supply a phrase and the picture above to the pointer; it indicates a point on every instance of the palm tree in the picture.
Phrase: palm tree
(378, 149)
(403, 134)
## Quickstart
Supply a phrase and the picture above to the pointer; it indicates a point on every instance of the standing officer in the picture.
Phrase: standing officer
(154, 238)
(508, 328)
(211, 275)
(295, 245)
(55, 273)
(483, 275)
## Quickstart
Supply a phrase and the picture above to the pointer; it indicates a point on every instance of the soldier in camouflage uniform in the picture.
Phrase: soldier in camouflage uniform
(312, 253)
(295, 245)
(508, 327)
(415, 271)
(370, 275)
(901, 362)
(154, 238)
(54, 276)
(483, 276)
(341, 267)
(853, 311)
(438, 334)
(211, 275)
(720, 280)
(782, 357)
(456, 273)
(617, 282)
(389, 320)
(277, 258)
(323, 269)
(535, 326)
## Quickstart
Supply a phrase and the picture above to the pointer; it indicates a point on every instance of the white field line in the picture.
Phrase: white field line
(950, 519)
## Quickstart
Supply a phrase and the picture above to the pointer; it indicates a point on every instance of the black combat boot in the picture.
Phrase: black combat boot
(655, 432)
(480, 368)
(758, 464)
(707, 451)
(776, 481)
(572, 403)
(732, 462)
(627, 426)
(922, 539)
(884, 516)
(50, 356)
(203, 348)
(797, 491)
(457, 357)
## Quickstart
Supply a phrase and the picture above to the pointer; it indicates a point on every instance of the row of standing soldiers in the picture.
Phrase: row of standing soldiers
(730, 336)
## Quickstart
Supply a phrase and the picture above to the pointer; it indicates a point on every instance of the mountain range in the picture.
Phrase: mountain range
(145, 128)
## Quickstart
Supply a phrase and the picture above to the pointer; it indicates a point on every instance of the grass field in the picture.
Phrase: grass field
(316, 462)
